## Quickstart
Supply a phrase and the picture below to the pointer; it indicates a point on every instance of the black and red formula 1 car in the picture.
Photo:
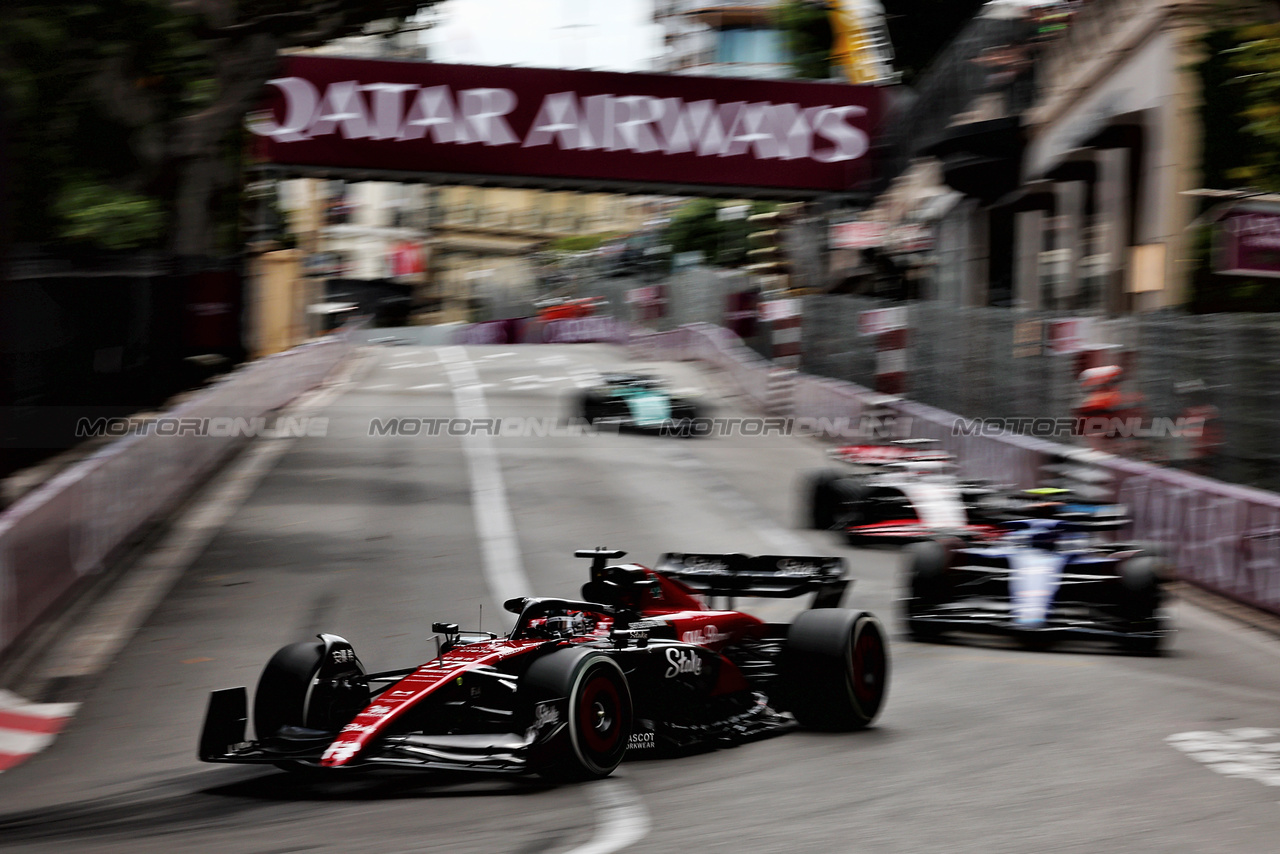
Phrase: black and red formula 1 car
(639, 666)
(901, 492)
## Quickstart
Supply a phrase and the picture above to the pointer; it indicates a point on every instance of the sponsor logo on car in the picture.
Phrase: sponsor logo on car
(545, 714)
(641, 741)
(341, 751)
(798, 568)
(702, 564)
(705, 635)
(682, 661)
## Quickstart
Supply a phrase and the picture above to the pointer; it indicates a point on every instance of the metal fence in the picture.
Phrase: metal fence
(966, 360)
(1218, 535)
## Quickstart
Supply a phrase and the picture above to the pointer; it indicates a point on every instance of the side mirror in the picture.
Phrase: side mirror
(445, 628)
(516, 605)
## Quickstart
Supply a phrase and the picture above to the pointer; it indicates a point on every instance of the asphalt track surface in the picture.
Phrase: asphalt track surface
(981, 747)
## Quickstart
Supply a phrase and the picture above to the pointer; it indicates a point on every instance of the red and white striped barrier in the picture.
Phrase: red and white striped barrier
(784, 321)
(27, 728)
(891, 362)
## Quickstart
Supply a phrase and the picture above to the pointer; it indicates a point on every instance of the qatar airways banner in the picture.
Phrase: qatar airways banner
(618, 129)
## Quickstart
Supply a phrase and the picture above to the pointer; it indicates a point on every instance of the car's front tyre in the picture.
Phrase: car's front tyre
(597, 715)
(294, 696)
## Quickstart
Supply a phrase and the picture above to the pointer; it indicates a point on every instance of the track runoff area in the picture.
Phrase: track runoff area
(981, 746)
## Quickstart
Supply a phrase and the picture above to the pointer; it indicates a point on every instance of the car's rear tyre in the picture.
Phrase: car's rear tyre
(836, 668)
(597, 713)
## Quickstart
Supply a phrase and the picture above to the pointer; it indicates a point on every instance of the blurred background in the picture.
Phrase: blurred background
(1064, 176)
(1022, 214)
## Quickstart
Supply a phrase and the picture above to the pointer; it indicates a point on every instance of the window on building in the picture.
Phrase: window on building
(749, 45)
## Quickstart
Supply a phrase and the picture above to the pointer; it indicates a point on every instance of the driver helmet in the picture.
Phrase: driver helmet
(560, 626)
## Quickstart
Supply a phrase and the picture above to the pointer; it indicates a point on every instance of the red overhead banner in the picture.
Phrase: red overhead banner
(619, 130)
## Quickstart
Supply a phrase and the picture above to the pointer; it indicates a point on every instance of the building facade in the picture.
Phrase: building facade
(1051, 152)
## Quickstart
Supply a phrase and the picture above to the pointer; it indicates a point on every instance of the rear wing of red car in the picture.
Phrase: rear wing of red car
(770, 576)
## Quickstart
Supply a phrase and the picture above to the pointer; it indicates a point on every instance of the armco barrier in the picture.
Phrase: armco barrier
(530, 330)
(1220, 536)
(68, 527)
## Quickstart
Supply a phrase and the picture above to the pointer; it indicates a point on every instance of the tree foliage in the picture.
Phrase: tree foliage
(806, 32)
(126, 116)
(696, 227)
(1256, 63)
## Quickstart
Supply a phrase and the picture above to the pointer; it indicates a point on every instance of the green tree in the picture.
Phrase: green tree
(697, 227)
(1256, 62)
(127, 116)
(806, 32)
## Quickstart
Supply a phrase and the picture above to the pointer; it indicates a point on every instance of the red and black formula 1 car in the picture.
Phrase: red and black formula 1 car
(639, 666)
(901, 492)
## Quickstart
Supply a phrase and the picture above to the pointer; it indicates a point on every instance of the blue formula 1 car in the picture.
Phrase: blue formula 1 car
(1041, 580)
(639, 401)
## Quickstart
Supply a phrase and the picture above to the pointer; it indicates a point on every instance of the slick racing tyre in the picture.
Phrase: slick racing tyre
(290, 694)
(596, 713)
(832, 499)
(592, 407)
(820, 500)
(1139, 601)
(926, 586)
(836, 668)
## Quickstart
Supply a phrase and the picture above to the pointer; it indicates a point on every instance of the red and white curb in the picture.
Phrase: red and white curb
(26, 728)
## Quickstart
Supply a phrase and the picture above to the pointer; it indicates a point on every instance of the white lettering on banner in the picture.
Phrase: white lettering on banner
(636, 123)
(388, 101)
(343, 109)
(483, 111)
(432, 112)
(557, 121)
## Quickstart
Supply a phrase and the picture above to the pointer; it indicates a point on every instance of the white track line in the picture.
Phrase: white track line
(623, 819)
(503, 569)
